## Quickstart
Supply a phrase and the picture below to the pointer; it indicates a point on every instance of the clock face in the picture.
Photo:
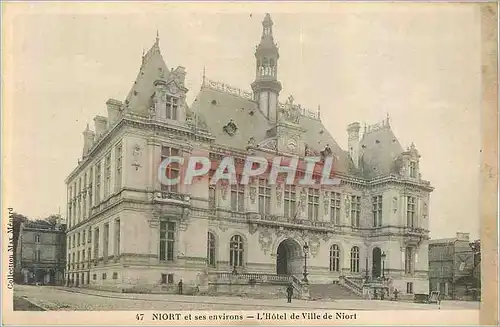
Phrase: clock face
(172, 88)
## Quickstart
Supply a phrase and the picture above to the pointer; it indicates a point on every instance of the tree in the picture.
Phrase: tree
(53, 219)
(17, 220)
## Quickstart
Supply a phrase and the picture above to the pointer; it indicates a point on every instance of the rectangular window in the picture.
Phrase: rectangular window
(104, 276)
(377, 210)
(94, 276)
(83, 255)
(172, 107)
(37, 238)
(410, 211)
(105, 247)
(37, 256)
(335, 208)
(264, 197)
(78, 239)
(74, 240)
(117, 237)
(355, 210)
(409, 261)
(290, 201)
(172, 170)
(409, 288)
(98, 182)
(118, 179)
(167, 240)
(167, 278)
(84, 200)
(115, 275)
(91, 176)
(107, 175)
(96, 243)
(211, 197)
(90, 236)
(83, 237)
(237, 197)
(313, 203)
(413, 169)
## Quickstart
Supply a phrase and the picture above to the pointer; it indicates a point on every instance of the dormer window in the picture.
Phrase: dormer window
(172, 107)
(413, 169)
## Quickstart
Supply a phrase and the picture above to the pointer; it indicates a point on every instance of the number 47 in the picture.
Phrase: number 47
(139, 316)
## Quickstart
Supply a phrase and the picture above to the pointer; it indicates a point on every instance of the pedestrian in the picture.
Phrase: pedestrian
(180, 286)
(289, 292)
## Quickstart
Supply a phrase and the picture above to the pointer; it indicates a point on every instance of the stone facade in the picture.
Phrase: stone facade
(41, 254)
(126, 231)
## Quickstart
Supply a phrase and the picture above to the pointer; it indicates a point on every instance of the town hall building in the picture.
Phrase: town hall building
(128, 232)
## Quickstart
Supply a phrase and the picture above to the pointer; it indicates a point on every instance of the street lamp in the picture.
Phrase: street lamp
(383, 265)
(306, 250)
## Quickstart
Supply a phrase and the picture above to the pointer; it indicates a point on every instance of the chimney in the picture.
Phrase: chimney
(463, 236)
(88, 140)
(353, 142)
(113, 111)
(101, 125)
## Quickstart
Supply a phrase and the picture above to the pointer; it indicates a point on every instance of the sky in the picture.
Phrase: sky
(419, 63)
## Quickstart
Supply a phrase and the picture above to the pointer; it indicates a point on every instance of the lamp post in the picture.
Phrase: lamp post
(383, 265)
(306, 250)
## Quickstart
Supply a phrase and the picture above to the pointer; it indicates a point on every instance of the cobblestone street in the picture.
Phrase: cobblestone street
(71, 299)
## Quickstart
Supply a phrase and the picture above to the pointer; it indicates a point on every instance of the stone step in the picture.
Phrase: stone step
(331, 291)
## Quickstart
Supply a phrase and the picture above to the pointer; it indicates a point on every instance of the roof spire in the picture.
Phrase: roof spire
(203, 80)
(157, 35)
(319, 112)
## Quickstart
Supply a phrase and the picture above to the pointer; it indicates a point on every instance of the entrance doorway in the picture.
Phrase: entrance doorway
(377, 262)
(289, 258)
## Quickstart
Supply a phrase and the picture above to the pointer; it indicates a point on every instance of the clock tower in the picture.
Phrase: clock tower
(266, 87)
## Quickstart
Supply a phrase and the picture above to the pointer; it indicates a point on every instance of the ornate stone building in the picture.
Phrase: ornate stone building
(127, 231)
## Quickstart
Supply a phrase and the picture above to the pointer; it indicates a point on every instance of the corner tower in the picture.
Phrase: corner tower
(266, 86)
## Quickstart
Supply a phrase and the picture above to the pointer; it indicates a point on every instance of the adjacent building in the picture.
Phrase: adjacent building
(41, 254)
(454, 267)
(127, 231)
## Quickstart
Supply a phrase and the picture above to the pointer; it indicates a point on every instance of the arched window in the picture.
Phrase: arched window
(334, 258)
(211, 250)
(355, 259)
(236, 251)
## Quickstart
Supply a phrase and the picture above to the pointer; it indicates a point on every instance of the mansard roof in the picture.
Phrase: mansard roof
(379, 150)
(221, 104)
(153, 68)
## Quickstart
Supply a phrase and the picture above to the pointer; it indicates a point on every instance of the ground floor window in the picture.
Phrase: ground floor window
(409, 288)
(167, 278)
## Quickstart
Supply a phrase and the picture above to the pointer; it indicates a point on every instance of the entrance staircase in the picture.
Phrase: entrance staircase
(331, 292)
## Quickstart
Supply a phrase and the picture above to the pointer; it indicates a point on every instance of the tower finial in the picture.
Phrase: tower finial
(157, 35)
(319, 111)
(387, 122)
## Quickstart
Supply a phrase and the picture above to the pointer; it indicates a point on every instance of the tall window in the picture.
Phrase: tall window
(172, 170)
(98, 182)
(355, 259)
(90, 236)
(79, 199)
(167, 240)
(118, 179)
(290, 201)
(334, 258)
(355, 210)
(78, 242)
(74, 240)
(106, 242)
(236, 251)
(37, 256)
(211, 197)
(91, 176)
(413, 169)
(107, 174)
(37, 238)
(335, 208)
(83, 237)
(172, 106)
(264, 197)
(211, 250)
(84, 191)
(117, 237)
(409, 260)
(313, 203)
(410, 211)
(96, 243)
(237, 197)
(377, 210)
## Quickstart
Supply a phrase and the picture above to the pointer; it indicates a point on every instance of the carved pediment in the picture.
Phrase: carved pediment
(269, 144)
